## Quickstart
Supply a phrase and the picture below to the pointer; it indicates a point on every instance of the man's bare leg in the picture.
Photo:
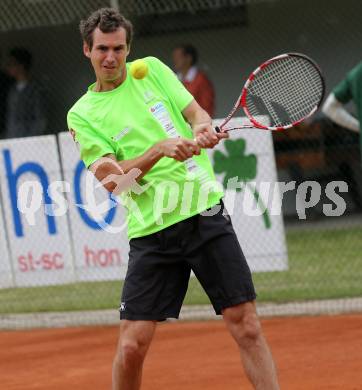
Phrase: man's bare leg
(243, 324)
(134, 341)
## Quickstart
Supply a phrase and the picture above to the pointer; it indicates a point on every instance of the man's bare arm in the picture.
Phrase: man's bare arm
(108, 167)
(201, 124)
(334, 110)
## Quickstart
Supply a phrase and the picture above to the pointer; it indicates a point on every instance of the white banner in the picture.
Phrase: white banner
(6, 274)
(99, 232)
(246, 163)
(38, 238)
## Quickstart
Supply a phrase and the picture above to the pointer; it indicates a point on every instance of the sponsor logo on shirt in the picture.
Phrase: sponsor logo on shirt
(148, 96)
(122, 133)
(159, 111)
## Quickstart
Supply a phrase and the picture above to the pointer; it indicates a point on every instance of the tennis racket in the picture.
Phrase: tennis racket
(286, 90)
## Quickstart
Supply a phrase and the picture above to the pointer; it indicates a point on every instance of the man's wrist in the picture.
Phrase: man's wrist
(197, 127)
(157, 151)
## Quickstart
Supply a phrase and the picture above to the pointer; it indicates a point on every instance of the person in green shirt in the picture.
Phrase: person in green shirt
(176, 218)
(349, 89)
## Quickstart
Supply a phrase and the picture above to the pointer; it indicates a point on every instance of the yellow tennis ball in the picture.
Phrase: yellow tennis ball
(139, 69)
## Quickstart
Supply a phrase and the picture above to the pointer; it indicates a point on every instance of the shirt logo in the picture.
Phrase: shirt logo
(158, 107)
(122, 133)
(148, 96)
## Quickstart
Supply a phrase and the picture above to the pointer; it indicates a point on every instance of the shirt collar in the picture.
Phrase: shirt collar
(20, 85)
(190, 75)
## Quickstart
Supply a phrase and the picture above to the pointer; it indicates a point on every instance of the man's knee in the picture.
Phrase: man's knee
(130, 353)
(134, 342)
(243, 323)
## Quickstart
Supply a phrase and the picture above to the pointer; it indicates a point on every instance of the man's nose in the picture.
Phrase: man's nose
(110, 56)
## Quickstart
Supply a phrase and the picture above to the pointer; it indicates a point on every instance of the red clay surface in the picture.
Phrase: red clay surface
(312, 353)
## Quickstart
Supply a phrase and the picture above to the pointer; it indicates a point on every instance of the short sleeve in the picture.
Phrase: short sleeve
(92, 145)
(349, 88)
(170, 83)
(342, 91)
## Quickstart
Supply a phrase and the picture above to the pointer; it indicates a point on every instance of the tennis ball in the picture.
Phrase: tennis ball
(139, 69)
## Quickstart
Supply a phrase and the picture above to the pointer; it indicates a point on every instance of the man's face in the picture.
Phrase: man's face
(108, 54)
(180, 60)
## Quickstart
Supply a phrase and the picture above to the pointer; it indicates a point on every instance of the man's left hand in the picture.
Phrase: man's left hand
(206, 136)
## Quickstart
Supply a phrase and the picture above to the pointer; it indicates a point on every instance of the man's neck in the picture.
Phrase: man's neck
(109, 85)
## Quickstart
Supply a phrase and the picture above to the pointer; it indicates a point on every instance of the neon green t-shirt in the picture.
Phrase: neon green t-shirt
(126, 122)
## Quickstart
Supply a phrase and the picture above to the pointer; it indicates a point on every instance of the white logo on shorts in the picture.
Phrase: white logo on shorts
(123, 306)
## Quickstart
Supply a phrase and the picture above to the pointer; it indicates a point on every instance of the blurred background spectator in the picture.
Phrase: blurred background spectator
(5, 83)
(185, 58)
(349, 89)
(25, 115)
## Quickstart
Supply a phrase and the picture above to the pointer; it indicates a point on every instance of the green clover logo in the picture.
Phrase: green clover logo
(237, 164)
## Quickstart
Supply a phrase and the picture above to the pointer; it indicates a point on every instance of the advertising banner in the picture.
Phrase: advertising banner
(97, 222)
(36, 225)
(245, 165)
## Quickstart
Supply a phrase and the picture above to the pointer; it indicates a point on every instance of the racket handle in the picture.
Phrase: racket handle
(217, 129)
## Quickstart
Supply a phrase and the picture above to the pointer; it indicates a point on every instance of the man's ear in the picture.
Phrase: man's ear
(86, 50)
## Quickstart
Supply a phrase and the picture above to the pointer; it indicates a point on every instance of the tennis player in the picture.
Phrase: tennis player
(122, 124)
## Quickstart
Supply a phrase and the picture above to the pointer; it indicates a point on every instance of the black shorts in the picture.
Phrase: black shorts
(160, 265)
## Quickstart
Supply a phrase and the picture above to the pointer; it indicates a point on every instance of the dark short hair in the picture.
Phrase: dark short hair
(191, 51)
(22, 56)
(107, 20)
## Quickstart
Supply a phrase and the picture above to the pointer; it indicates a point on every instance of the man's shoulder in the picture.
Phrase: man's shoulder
(202, 77)
(152, 62)
(80, 104)
(356, 72)
(78, 112)
(358, 67)
(202, 74)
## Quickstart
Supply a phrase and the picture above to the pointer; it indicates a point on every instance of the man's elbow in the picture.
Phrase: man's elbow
(110, 187)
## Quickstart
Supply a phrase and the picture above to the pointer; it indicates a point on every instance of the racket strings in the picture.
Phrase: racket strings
(279, 92)
(287, 90)
(285, 99)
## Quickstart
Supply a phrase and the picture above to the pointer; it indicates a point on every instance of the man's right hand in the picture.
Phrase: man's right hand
(179, 149)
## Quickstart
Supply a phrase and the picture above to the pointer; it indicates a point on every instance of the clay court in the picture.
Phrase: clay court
(313, 353)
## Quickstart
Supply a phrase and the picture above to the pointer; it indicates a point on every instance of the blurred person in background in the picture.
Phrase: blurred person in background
(5, 83)
(185, 58)
(25, 114)
(349, 89)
